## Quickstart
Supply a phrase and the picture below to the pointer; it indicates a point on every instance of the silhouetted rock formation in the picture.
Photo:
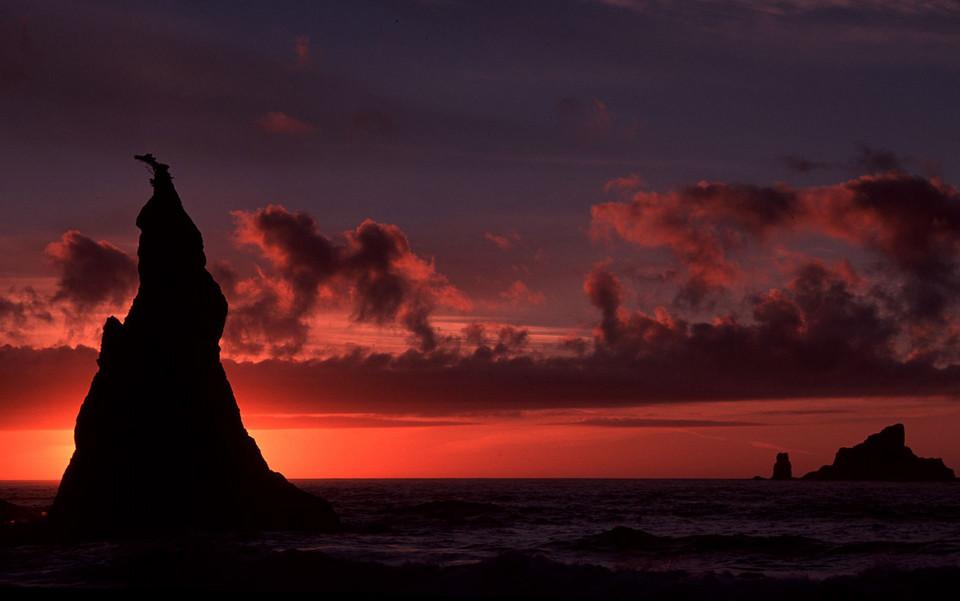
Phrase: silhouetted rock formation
(159, 440)
(882, 456)
(782, 470)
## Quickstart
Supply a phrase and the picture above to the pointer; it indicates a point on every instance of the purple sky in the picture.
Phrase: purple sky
(453, 119)
(664, 201)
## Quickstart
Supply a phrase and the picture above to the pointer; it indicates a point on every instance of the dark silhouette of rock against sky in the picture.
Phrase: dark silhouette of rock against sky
(782, 469)
(159, 439)
(883, 456)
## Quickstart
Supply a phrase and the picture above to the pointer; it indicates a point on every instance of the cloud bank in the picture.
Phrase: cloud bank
(373, 268)
(883, 325)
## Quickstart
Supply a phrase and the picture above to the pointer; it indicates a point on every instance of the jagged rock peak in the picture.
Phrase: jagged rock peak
(883, 456)
(160, 443)
(890, 438)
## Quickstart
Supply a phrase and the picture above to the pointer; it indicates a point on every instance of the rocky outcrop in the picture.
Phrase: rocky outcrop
(883, 456)
(159, 440)
(782, 470)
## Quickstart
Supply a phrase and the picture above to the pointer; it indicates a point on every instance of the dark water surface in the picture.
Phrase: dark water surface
(811, 529)
(798, 528)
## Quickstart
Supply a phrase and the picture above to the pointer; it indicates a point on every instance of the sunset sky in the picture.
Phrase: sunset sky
(620, 238)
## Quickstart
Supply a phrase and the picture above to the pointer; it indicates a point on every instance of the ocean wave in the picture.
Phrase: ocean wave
(630, 540)
(229, 566)
(624, 539)
(429, 515)
(451, 509)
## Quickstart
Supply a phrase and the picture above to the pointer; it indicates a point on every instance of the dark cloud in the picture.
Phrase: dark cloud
(259, 324)
(868, 159)
(576, 345)
(813, 340)
(909, 223)
(815, 411)
(18, 308)
(711, 365)
(813, 332)
(804, 165)
(697, 293)
(11, 310)
(373, 256)
(589, 119)
(827, 319)
(14, 316)
(346, 421)
(643, 422)
(518, 293)
(475, 334)
(815, 337)
(878, 160)
(705, 226)
(91, 272)
(511, 340)
(606, 294)
(823, 333)
(43, 388)
(912, 223)
(374, 269)
(506, 341)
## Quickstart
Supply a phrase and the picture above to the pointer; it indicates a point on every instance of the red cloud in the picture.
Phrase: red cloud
(276, 122)
(814, 337)
(508, 342)
(374, 269)
(826, 332)
(91, 272)
(502, 241)
(19, 310)
(705, 226)
(93, 277)
(606, 294)
(301, 48)
(42, 388)
(813, 328)
(588, 120)
(518, 293)
(911, 224)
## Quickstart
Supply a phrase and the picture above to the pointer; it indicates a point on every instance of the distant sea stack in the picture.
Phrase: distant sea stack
(782, 470)
(883, 456)
(159, 440)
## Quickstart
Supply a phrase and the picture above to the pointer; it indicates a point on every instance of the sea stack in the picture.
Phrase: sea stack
(782, 470)
(160, 444)
(883, 456)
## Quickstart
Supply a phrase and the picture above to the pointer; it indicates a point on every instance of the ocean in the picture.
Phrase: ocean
(806, 530)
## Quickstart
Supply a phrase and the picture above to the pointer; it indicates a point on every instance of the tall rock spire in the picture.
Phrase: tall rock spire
(159, 439)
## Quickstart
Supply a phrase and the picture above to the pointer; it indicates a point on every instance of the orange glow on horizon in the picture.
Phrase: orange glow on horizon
(535, 446)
